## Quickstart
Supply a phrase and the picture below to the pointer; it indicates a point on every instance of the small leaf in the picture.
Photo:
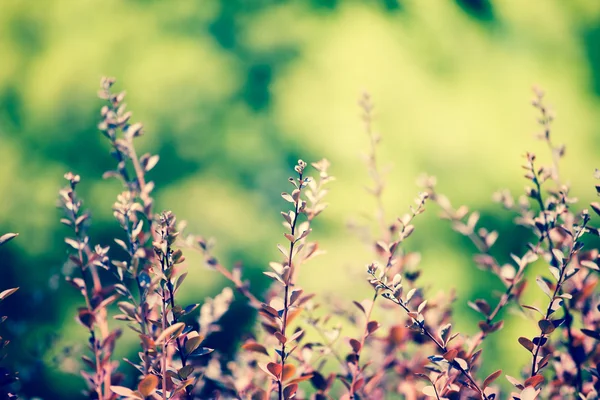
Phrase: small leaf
(287, 197)
(4, 294)
(274, 369)
(147, 385)
(587, 332)
(528, 344)
(253, 346)
(201, 351)
(359, 306)
(288, 371)
(462, 363)
(544, 286)
(290, 390)
(171, 332)
(193, 343)
(529, 393)
(151, 163)
(491, 378)
(410, 294)
(450, 355)
(546, 326)
(6, 237)
(122, 391)
(445, 332)
(372, 326)
(356, 346)
(534, 381)
(429, 391)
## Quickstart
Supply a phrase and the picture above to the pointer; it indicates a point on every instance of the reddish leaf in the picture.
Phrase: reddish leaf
(253, 346)
(372, 326)
(528, 344)
(290, 391)
(534, 381)
(274, 369)
(147, 385)
(288, 372)
(355, 344)
(491, 378)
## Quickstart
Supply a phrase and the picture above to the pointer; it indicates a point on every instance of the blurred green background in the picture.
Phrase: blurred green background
(233, 92)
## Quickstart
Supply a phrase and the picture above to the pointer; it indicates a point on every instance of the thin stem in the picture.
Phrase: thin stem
(102, 377)
(164, 348)
(288, 283)
(180, 348)
(563, 268)
(362, 341)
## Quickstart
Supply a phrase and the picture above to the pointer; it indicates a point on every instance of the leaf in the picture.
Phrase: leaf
(529, 393)
(534, 381)
(274, 276)
(6, 237)
(256, 347)
(201, 351)
(171, 332)
(122, 391)
(491, 378)
(288, 371)
(372, 326)
(450, 355)
(356, 346)
(147, 385)
(445, 332)
(590, 265)
(287, 197)
(151, 163)
(528, 344)
(193, 343)
(546, 326)
(290, 390)
(462, 363)
(514, 381)
(410, 294)
(274, 369)
(429, 391)
(544, 286)
(359, 306)
(185, 371)
(295, 295)
(587, 332)
(596, 207)
(4, 294)
(73, 243)
(558, 255)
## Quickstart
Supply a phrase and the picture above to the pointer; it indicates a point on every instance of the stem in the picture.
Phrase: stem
(288, 283)
(102, 377)
(557, 289)
(180, 349)
(362, 342)
(164, 348)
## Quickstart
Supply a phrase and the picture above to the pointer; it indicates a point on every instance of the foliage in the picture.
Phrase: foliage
(413, 353)
(7, 377)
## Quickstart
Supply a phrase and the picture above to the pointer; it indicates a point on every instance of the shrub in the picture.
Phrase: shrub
(414, 354)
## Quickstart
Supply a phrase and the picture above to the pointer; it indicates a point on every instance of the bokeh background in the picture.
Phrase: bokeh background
(233, 92)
